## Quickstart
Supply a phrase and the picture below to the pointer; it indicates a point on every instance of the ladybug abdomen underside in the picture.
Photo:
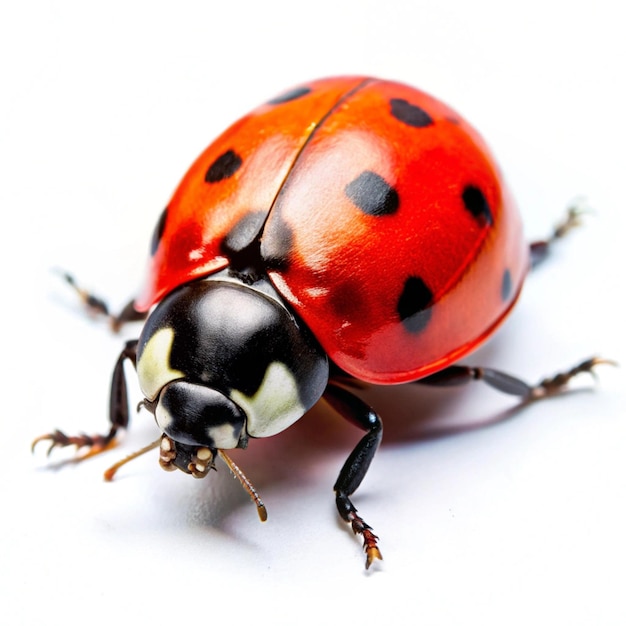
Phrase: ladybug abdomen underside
(377, 212)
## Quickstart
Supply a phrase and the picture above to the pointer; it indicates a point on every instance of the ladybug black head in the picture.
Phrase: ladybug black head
(220, 361)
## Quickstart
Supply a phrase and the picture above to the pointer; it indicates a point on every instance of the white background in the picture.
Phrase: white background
(101, 112)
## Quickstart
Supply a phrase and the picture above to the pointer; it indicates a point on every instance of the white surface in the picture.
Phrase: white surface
(102, 110)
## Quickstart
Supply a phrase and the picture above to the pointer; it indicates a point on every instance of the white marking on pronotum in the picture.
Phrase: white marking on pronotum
(153, 368)
(276, 404)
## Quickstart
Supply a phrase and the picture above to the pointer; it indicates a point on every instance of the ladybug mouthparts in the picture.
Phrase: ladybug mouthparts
(199, 461)
(194, 460)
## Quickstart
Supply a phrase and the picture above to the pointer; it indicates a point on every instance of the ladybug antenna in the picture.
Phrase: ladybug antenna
(110, 473)
(232, 466)
(246, 484)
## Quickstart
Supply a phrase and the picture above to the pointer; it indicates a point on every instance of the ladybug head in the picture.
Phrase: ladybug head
(220, 361)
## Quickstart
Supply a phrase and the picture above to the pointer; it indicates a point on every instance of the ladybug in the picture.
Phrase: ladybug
(349, 230)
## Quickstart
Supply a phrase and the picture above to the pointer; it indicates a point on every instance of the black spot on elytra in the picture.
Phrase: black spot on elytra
(507, 285)
(476, 203)
(347, 297)
(158, 232)
(243, 233)
(223, 167)
(373, 194)
(409, 114)
(277, 243)
(242, 246)
(292, 94)
(414, 304)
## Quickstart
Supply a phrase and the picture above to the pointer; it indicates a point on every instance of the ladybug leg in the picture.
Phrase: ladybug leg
(357, 464)
(96, 306)
(461, 374)
(118, 413)
(539, 250)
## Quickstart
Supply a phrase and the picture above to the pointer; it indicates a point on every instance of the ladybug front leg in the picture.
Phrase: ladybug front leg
(97, 306)
(462, 374)
(118, 412)
(357, 464)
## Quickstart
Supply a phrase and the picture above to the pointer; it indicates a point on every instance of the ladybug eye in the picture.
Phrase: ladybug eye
(158, 232)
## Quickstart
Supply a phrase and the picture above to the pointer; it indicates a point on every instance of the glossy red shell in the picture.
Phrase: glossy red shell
(381, 213)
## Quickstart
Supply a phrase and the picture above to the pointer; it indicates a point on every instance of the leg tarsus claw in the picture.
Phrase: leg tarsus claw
(58, 439)
(370, 540)
(550, 386)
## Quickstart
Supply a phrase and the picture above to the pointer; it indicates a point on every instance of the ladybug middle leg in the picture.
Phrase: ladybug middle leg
(462, 374)
(96, 306)
(118, 403)
(539, 250)
(357, 464)
(118, 412)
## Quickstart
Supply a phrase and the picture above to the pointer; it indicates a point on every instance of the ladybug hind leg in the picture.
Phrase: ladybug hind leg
(357, 464)
(118, 413)
(462, 374)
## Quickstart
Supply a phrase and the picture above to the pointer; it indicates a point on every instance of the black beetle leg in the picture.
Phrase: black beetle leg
(118, 412)
(97, 306)
(357, 464)
(539, 250)
(462, 374)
